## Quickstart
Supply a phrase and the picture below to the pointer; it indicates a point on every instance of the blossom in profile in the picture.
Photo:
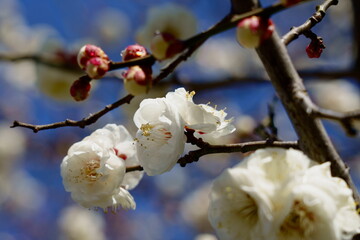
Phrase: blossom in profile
(207, 122)
(252, 31)
(94, 169)
(282, 194)
(169, 24)
(160, 140)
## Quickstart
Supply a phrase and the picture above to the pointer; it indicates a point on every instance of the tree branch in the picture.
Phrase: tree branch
(194, 156)
(345, 119)
(92, 118)
(317, 17)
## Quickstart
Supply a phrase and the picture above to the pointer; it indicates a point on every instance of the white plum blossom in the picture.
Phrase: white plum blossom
(208, 122)
(160, 138)
(240, 207)
(316, 206)
(280, 194)
(94, 169)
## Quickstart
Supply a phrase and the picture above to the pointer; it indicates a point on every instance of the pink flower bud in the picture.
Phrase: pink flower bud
(88, 52)
(315, 48)
(288, 3)
(80, 89)
(165, 45)
(252, 31)
(137, 80)
(97, 67)
(133, 51)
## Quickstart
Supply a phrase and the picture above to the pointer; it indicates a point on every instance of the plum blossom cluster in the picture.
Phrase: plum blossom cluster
(94, 169)
(281, 194)
(161, 122)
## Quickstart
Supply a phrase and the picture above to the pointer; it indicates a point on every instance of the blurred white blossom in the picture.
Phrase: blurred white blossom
(111, 26)
(76, 223)
(281, 194)
(165, 19)
(94, 169)
(194, 208)
(205, 236)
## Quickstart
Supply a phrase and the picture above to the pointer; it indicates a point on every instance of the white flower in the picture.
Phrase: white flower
(160, 138)
(208, 122)
(94, 169)
(316, 206)
(280, 194)
(165, 19)
(77, 223)
(240, 206)
(277, 165)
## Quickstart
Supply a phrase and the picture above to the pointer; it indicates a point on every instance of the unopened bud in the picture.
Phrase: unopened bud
(97, 67)
(133, 52)
(252, 31)
(165, 45)
(137, 80)
(88, 52)
(80, 89)
(315, 48)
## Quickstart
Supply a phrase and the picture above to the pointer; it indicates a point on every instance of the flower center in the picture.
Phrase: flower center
(89, 170)
(300, 222)
(157, 134)
(247, 208)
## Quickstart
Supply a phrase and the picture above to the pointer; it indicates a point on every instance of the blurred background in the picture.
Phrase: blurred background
(172, 206)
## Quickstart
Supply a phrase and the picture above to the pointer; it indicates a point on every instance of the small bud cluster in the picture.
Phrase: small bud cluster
(93, 60)
(253, 31)
(165, 45)
(137, 79)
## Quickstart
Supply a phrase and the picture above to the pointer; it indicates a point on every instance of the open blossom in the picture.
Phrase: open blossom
(170, 19)
(316, 206)
(240, 206)
(208, 122)
(94, 169)
(281, 195)
(160, 138)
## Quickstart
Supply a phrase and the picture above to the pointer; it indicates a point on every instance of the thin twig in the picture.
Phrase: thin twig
(317, 17)
(92, 118)
(195, 155)
(345, 119)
